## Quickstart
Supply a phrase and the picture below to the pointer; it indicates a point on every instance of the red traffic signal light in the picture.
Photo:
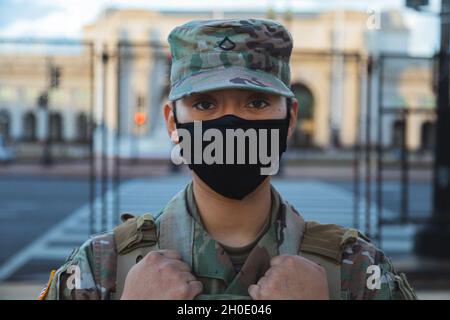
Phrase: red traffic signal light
(140, 118)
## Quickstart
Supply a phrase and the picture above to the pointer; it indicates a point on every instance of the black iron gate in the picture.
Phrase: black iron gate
(398, 160)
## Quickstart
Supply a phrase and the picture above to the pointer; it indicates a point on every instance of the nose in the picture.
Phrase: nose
(231, 107)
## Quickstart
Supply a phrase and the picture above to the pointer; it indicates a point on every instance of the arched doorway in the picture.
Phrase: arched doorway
(427, 136)
(398, 129)
(303, 137)
(29, 126)
(5, 125)
(56, 127)
(82, 128)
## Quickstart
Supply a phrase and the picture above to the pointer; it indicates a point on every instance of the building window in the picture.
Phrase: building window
(82, 128)
(29, 126)
(305, 118)
(56, 127)
(5, 125)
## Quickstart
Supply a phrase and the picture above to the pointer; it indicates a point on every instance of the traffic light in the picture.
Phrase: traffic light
(55, 77)
(140, 118)
(43, 100)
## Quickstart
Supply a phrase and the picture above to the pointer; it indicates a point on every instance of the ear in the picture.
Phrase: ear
(293, 118)
(170, 122)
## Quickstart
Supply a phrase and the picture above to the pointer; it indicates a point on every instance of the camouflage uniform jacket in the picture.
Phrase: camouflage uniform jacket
(90, 271)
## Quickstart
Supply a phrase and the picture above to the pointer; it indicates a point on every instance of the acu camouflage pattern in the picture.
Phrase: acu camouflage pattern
(210, 263)
(95, 263)
(356, 258)
(232, 53)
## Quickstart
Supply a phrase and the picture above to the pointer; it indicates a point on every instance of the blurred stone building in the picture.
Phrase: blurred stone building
(327, 74)
(24, 78)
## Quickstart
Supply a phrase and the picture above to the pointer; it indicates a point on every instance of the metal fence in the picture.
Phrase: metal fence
(122, 86)
(398, 141)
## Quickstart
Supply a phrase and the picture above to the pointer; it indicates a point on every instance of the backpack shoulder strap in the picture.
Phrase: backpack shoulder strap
(323, 244)
(138, 236)
(104, 258)
(176, 227)
(134, 238)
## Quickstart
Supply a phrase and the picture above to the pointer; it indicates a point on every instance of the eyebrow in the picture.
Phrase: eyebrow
(200, 96)
(205, 95)
(259, 95)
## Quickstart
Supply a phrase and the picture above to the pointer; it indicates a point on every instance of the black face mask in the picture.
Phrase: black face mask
(235, 180)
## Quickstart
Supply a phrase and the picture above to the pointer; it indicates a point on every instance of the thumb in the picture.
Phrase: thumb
(253, 290)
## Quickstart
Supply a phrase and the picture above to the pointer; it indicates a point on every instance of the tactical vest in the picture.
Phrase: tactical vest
(137, 236)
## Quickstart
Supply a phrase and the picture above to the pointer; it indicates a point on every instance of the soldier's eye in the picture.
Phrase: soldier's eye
(258, 104)
(203, 105)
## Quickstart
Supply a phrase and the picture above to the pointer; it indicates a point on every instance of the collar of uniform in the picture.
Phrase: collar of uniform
(192, 208)
(210, 259)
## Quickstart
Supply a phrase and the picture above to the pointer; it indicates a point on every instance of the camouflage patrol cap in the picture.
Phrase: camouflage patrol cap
(248, 54)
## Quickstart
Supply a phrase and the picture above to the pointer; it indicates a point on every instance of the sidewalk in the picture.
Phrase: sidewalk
(82, 169)
(161, 167)
(30, 291)
(20, 291)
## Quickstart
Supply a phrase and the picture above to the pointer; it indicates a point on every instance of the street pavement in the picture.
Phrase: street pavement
(30, 206)
(322, 201)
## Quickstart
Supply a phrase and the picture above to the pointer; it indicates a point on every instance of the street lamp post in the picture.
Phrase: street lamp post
(43, 102)
(432, 240)
(46, 158)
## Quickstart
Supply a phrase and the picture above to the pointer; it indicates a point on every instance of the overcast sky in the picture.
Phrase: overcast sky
(65, 18)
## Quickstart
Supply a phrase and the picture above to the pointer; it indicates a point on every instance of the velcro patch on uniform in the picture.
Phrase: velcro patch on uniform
(44, 291)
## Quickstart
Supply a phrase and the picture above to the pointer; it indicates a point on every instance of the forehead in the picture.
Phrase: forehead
(237, 94)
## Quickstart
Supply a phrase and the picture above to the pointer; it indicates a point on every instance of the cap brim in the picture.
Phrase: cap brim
(229, 78)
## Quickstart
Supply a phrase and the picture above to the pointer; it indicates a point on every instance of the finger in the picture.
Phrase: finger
(310, 262)
(179, 265)
(254, 291)
(187, 276)
(271, 271)
(170, 254)
(195, 288)
(262, 281)
(277, 260)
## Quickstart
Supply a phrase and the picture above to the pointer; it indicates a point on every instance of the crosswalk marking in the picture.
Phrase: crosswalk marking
(315, 200)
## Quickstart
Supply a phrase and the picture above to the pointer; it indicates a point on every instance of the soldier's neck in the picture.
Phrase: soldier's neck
(234, 223)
